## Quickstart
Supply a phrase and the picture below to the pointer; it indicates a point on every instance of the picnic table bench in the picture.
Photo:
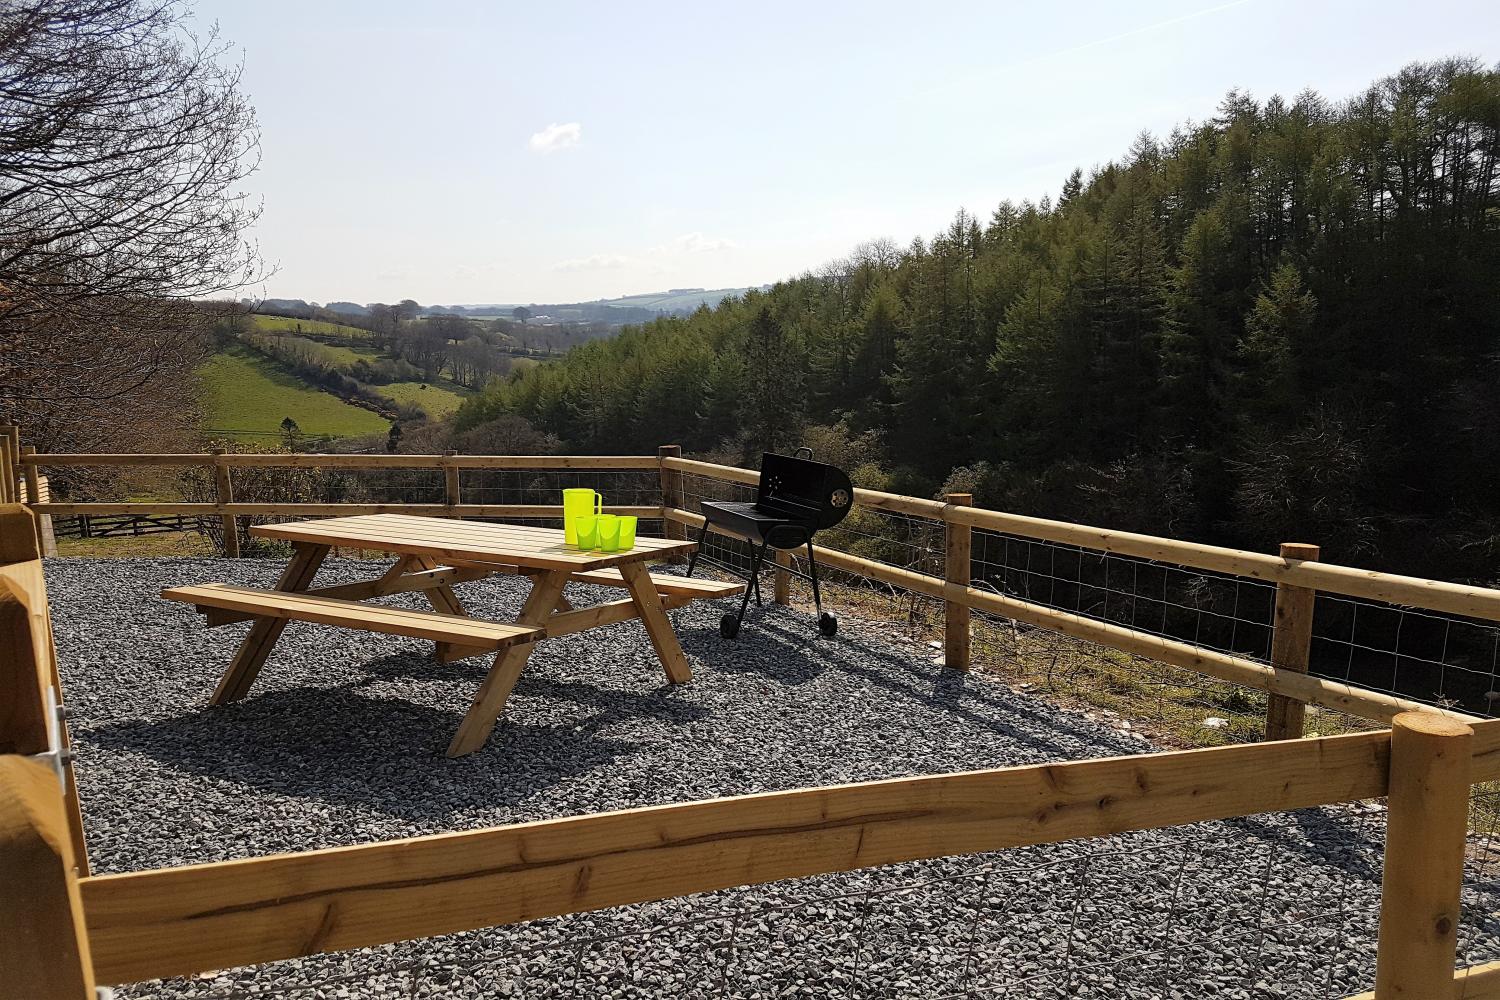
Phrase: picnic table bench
(433, 554)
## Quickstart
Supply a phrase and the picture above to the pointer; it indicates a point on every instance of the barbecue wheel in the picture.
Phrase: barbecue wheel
(827, 624)
(729, 626)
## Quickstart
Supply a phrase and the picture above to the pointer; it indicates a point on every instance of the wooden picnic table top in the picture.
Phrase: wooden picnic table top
(446, 538)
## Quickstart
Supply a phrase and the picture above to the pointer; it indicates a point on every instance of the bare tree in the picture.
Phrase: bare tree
(123, 140)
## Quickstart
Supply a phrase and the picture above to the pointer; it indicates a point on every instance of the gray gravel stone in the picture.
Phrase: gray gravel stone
(341, 742)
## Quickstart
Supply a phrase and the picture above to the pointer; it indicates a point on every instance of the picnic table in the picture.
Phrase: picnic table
(434, 554)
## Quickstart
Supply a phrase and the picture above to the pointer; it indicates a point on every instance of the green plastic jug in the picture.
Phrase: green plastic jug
(576, 504)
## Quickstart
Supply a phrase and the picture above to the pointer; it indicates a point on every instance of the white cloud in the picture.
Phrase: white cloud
(555, 137)
(696, 243)
(598, 262)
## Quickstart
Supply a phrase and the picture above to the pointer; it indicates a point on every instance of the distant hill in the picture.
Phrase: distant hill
(626, 309)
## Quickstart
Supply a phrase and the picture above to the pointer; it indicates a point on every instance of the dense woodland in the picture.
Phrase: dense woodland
(1279, 324)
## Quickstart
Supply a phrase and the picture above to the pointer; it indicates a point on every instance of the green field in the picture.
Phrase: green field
(438, 400)
(244, 394)
(307, 326)
(345, 355)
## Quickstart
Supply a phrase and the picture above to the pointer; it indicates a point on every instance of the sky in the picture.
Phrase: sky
(467, 152)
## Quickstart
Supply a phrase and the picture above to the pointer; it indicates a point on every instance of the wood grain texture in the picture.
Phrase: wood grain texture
(44, 946)
(1291, 645)
(494, 690)
(429, 510)
(28, 667)
(18, 537)
(261, 639)
(403, 583)
(439, 627)
(310, 460)
(958, 546)
(653, 615)
(184, 920)
(1427, 825)
(224, 495)
(449, 540)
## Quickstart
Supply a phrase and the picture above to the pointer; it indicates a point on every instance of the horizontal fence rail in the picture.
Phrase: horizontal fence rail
(178, 921)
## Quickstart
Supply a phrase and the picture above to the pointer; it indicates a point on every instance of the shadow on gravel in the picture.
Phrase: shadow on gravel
(338, 745)
(784, 648)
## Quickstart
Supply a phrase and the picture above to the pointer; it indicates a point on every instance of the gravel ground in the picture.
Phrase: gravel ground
(342, 741)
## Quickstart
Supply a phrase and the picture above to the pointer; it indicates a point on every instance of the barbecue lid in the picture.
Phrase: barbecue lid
(815, 484)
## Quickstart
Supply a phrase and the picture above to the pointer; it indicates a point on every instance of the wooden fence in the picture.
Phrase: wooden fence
(1295, 571)
(62, 930)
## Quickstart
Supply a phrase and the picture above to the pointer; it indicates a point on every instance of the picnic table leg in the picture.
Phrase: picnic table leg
(261, 638)
(479, 722)
(654, 617)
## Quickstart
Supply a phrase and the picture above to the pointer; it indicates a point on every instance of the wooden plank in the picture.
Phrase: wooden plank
(495, 689)
(781, 579)
(1348, 698)
(608, 613)
(1476, 982)
(440, 595)
(365, 589)
(18, 541)
(9, 464)
(309, 460)
(28, 666)
(353, 614)
(535, 511)
(180, 921)
(449, 540)
(261, 638)
(1427, 825)
(665, 583)
(1291, 646)
(672, 494)
(24, 649)
(956, 568)
(452, 487)
(658, 627)
(44, 943)
(224, 494)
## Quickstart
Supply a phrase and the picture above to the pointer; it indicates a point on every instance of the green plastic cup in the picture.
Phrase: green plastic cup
(587, 528)
(627, 532)
(609, 532)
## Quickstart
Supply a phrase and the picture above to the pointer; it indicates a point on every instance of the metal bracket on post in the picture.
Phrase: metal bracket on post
(56, 756)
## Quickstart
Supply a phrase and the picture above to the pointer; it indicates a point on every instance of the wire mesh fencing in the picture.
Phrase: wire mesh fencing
(1424, 656)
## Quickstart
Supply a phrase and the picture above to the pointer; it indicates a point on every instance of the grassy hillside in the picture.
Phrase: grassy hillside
(246, 394)
(306, 326)
(438, 400)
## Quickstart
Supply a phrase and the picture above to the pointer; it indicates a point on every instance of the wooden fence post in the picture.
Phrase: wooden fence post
(1291, 645)
(1427, 825)
(956, 569)
(452, 494)
(14, 433)
(224, 490)
(671, 493)
(34, 495)
(44, 946)
(782, 580)
(7, 468)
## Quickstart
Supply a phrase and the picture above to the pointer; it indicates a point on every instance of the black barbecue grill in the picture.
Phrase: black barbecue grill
(796, 498)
